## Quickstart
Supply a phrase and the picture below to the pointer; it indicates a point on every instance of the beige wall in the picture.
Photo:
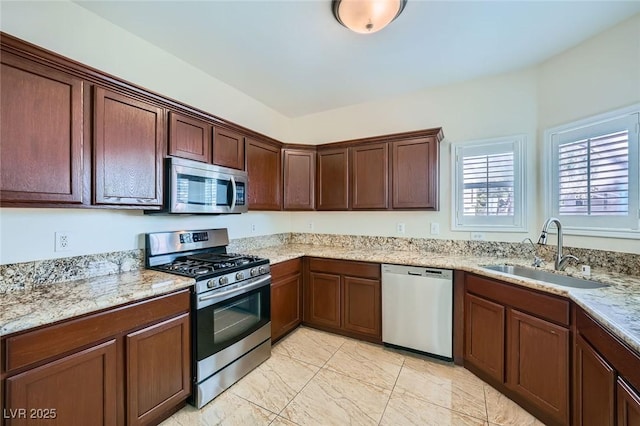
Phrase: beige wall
(575, 84)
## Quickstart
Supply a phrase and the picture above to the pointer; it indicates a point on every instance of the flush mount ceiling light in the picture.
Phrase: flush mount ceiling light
(367, 16)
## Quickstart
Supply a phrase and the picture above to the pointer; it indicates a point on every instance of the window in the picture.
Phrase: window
(593, 174)
(488, 178)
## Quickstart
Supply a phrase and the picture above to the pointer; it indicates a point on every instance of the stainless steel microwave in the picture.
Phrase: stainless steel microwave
(199, 188)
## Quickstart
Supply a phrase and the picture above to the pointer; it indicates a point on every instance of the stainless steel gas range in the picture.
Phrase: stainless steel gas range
(231, 311)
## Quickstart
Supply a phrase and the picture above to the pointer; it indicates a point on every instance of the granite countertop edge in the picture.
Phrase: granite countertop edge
(616, 307)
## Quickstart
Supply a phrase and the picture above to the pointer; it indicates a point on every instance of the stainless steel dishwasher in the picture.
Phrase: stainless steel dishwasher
(417, 309)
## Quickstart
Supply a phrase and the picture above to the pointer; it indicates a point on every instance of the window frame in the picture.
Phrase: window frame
(581, 224)
(492, 223)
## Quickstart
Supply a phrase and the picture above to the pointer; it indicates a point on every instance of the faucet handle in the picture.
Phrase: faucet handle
(563, 262)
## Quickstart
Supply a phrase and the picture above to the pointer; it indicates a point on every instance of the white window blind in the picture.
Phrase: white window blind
(594, 174)
(489, 177)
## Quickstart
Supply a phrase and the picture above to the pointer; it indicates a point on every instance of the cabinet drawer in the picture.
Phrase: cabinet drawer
(48, 342)
(542, 305)
(345, 267)
(283, 269)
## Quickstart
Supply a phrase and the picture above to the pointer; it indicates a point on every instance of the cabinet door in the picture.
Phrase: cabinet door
(228, 149)
(41, 135)
(128, 150)
(414, 177)
(362, 306)
(628, 405)
(158, 369)
(263, 169)
(333, 179)
(286, 306)
(322, 296)
(484, 335)
(299, 179)
(79, 389)
(594, 387)
(370, 176)
(189, 138)
(538, 363)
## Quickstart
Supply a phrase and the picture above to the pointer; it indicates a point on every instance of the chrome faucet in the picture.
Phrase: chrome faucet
(537, 261)
(561, 261)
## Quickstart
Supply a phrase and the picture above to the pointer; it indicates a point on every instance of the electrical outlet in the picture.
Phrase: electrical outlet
(478, 236)
(586, 271)
(400, 228)
(435, 228)
(63, 241)
(253, 227)
(310, 226)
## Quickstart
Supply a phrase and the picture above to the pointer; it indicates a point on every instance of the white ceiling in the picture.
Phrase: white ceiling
(294, 57)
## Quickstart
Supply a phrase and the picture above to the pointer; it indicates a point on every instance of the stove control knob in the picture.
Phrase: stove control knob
(262, 270)
(254, 272)
(223, 280)
(210, 284)
(240, 276)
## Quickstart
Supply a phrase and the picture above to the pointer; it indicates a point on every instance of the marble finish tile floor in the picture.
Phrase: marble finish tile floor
(318, 378)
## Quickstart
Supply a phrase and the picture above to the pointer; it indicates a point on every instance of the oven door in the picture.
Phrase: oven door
(229, 323)
(206, 189)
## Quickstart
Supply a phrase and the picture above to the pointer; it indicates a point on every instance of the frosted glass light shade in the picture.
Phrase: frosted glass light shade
(367, 16)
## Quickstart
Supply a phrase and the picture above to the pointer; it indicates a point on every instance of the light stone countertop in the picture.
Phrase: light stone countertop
(46, 304)
(617, 307)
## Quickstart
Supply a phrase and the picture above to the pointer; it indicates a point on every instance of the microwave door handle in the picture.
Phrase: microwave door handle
(233, 197)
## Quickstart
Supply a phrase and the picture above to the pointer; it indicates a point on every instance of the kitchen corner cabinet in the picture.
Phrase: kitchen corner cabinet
(415, 174)
(286, 297)
(228, 148)
(370, 177)
(41, 137)
(128, 150)
(606, 377)
(518, 340)
(299, 171)
(265, 178)
(343, 297)
(126, 365)
(332, 179)
(189, 138)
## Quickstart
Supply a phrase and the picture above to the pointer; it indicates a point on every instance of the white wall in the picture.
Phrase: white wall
(599, 75)
(574, 84)
(485, 108)
(70, 30)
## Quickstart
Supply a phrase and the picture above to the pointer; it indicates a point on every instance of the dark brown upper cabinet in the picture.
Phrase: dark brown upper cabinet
(299, 178)
(41, 137)
(370, 176)
(414, 174)
(128, 150)
(265, 181)
(189, 138)
(228, 148)
(332, 179)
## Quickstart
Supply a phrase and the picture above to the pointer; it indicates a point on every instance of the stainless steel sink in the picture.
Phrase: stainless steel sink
(545, 276)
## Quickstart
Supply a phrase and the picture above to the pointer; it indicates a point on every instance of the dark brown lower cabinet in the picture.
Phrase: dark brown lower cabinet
(362, 304)
(628, 405)
(130, 364)
(484, 335)
(594, 387)
(538, 363)
(286, 297)
(323, 297)
(517, 340)
(343, 297)
(158, 373)
(79, 389)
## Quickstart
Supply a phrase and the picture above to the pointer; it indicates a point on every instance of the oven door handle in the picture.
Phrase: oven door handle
(258, 283)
